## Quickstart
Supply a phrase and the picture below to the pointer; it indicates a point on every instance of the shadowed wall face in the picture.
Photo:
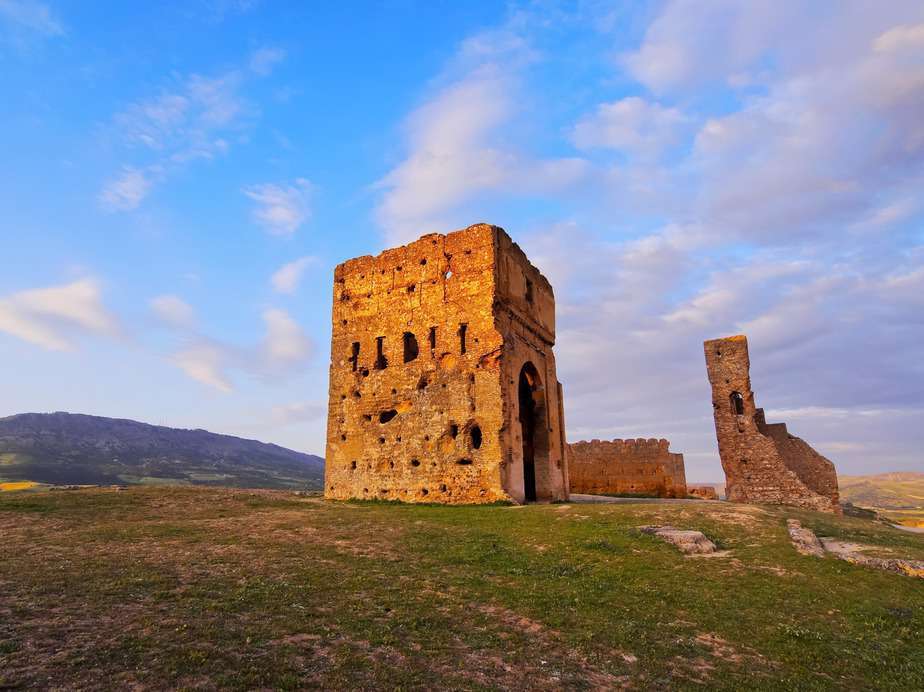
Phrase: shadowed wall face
(626, 467)
(763, 463)
(441, 360)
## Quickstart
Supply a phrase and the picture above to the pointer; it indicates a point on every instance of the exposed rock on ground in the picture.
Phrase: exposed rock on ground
(853, 553)
(687, 541)
(804, 540)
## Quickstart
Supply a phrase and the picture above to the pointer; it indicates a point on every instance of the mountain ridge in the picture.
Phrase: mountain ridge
(76, 448)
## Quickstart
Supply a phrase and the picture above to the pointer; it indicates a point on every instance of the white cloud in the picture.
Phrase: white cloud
(263, 60)
(632, 124)
(901, 38)
(192, 118)
(281, 209)
(288, 276)
(284, 349)
(285, 343)
(173, 311)
(299, 412)
(32, 16)
(457, 148)
(126, 191)
(48, 317)
(205, 363)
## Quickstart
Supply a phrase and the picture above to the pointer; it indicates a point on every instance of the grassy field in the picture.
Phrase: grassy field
(203, 588)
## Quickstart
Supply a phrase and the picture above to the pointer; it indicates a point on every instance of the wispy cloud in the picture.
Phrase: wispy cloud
(51, 317)
(281, 208)
(299, 412)
(31, 16)
(192, 118)
(288, 276)
(205, 363)
(456, 144)
(285, 344)
(126, 191)
(631, 124)
(213, 362)
(263, 60)
(174, 311)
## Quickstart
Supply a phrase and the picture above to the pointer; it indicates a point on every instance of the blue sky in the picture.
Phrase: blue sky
(179, 181)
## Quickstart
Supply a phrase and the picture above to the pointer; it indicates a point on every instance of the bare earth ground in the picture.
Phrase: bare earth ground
(156, 588)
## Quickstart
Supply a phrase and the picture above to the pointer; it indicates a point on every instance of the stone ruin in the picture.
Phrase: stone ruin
(763, 463)
(703, 492)
(626, 467)
(442, 377)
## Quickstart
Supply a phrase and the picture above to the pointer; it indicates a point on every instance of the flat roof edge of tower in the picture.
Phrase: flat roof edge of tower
(497, 231)
(721, 339)
(423, 238)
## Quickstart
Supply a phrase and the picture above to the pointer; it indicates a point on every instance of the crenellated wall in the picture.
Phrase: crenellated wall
(626, 467)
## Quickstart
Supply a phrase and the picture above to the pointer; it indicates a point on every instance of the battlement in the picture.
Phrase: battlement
(639, 445)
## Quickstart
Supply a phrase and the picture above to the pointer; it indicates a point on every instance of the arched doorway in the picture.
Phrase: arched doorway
(534, 432)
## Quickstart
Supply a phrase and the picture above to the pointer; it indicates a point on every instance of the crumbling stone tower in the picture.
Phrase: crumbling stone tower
(442, 377)
(763, 463)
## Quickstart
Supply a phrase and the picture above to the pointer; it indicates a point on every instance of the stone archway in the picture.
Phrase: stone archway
(534, 432)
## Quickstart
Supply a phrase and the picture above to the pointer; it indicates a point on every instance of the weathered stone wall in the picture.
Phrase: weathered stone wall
(763, 463)
(430, 344)
(705, 492)
(643, 467)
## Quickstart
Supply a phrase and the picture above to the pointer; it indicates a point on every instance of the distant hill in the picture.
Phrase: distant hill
(898, 496)
(68, 448)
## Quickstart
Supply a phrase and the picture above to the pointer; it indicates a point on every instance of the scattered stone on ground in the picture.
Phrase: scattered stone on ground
(687, 541)
(853, 553)
(804, 540)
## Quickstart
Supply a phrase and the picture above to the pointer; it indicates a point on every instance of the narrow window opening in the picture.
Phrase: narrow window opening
(423, 382)
(475, 433)
(529, 291)
(737, 402)
(453, 430)
(432, 338)
(381, 362)
(411, 288)
(411, 350)
(463, 328)
(354, 357)
(353, 465)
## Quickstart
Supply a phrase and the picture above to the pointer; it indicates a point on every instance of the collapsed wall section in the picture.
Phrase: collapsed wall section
(763, 463)
(626, 467)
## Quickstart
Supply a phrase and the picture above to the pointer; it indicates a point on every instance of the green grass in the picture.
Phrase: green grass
(184, 587)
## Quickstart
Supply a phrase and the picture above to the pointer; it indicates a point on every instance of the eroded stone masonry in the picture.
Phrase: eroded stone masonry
(442, 378)
(626, 467)
(763, 463)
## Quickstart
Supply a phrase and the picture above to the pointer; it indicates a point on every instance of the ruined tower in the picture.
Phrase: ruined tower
(442, 376)
(763, 463)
